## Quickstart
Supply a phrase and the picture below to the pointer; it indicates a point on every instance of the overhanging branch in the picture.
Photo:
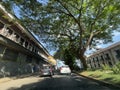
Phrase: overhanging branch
(69, 13)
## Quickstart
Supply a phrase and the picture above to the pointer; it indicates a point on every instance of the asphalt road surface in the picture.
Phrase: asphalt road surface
(62, 82)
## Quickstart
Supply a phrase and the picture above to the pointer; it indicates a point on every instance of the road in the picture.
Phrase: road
(58, 82)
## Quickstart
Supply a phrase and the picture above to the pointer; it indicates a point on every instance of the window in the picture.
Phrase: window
(97, 59)
(26, 44)
(94, 64)
(10, 32)
(107, 56)
(110, 64)
(1, 25)
(118, 53)
(102, 57)
(93, 60)
(98, 65)
(17, 37)
(21, 41)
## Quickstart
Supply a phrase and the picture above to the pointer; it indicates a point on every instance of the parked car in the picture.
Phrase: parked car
(65, 70)
(46, 70)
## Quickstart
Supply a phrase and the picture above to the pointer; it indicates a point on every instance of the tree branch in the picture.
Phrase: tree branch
(98, 14)
(89, 40)
(80, 10)
(69, 13)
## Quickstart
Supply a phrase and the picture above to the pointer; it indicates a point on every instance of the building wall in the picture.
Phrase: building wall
(20, 52)
(12, 62)
(108, 56)
(16, 59)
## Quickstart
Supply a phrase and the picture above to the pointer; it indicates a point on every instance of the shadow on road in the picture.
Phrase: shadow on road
(65, 82)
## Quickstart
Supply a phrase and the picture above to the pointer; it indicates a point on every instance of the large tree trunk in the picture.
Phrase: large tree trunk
(83, 60)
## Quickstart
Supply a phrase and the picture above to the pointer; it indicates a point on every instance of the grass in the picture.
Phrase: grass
(107, 76)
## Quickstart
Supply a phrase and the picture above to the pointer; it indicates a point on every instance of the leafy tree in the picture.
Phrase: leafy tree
(77, 24)
(69, 58)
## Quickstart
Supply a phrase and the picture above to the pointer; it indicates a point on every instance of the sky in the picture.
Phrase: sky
(116, 38)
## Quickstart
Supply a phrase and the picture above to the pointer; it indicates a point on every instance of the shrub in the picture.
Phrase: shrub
(116, 68)
(106, 67)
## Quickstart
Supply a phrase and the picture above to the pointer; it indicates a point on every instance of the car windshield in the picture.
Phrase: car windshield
(46, 67)
(65, 66)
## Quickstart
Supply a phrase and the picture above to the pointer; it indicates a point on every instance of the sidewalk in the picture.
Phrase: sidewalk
(5, 79)
(19, 83)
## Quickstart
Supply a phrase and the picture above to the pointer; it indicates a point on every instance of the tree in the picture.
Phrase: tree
(77, 24)
(69, 58)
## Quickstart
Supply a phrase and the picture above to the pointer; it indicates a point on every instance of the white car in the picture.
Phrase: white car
(65, 70)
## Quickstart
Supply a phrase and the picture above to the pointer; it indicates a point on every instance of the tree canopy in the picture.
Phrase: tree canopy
(73, 24)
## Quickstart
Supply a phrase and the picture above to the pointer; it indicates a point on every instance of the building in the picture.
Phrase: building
(107, 56)
(20, 51)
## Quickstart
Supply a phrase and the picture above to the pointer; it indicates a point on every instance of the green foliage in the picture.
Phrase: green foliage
(100, 75)
(91, 69)
(69, 58)
(116, 68)
(76, 68)
(106, 67)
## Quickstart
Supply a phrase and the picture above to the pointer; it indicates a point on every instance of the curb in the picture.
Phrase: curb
(104, 83)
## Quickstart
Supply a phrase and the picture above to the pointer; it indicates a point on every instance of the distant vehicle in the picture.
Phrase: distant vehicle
(65, 70)
(46, 70)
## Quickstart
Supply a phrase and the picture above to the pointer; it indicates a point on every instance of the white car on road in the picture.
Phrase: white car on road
(65, 70)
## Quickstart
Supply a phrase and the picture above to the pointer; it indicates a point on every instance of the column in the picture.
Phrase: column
(18, 40)
(13, 37)
(4, 31)
(24, 43)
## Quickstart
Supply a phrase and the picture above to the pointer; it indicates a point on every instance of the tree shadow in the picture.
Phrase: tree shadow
(108, 79)
(63, 83)
(95, 76)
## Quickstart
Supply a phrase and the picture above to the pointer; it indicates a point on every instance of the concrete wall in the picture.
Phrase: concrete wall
(14, 63)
